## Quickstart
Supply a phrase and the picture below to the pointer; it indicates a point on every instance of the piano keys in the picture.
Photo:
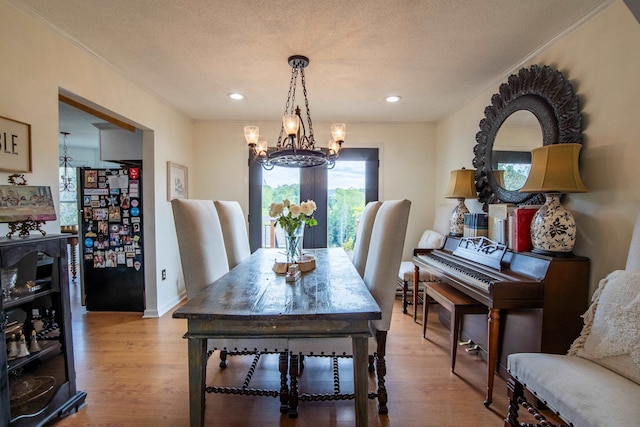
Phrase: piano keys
(534, 301)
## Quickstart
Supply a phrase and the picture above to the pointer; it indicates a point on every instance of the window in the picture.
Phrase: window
(345, 202)
(340, 194)
(68, 199)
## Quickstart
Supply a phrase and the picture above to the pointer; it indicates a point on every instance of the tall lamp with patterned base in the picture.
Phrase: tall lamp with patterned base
(554, 171)
(461, 186)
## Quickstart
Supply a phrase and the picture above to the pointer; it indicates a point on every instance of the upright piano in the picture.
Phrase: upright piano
(535, 301)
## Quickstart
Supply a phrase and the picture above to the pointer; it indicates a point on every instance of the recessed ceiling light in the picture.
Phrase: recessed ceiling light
(235, 95)
(393, 98)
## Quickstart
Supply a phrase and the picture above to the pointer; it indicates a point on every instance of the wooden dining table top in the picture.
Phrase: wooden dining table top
(253, 291)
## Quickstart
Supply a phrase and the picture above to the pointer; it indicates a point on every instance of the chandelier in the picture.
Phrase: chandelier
(66, 183)
(297, 149)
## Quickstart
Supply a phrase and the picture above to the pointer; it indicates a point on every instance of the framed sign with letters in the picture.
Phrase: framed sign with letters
(15, 146)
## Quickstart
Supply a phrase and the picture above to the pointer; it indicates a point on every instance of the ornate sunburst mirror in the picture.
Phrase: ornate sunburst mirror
(549, 97)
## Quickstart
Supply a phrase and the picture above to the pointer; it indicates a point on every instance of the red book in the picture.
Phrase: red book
(522, 228)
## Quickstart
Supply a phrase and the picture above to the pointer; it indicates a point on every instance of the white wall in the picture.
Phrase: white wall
(37, 65)
(601, 58)
(407, 164)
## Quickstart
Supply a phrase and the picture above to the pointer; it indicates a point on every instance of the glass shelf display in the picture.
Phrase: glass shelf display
(37, 376)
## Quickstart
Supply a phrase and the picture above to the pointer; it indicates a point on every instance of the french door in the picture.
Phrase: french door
(340, 194)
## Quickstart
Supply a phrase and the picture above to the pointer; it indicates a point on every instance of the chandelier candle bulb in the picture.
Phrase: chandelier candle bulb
(291, 124)
(251, 134)
(261, 148)
(338, 131)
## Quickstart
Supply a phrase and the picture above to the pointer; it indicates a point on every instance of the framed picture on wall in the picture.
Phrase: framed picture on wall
(15, 145)
(177, 181)
(26, 202)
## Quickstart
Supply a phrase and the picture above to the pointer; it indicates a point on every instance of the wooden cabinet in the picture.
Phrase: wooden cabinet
(37, 374)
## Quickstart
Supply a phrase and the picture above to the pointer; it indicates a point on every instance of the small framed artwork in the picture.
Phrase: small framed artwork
(15, 145)
(26, 202)
(177, 181)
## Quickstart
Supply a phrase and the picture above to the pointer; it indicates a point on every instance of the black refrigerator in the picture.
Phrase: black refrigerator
(112, 273)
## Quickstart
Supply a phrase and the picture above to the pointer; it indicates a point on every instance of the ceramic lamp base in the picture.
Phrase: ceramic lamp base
(456, 224)
(553, 229)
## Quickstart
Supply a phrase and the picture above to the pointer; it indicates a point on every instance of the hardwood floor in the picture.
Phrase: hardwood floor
(135, 373)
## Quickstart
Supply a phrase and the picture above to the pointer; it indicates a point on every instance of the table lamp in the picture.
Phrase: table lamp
(461, 186)
(554, 171)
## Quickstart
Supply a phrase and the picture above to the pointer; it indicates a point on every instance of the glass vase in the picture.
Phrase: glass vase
(293, 244)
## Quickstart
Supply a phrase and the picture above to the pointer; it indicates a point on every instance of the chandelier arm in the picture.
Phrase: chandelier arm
(303, 141)
(292, 89)
(291, 95)
(310, 139)
(268, 166)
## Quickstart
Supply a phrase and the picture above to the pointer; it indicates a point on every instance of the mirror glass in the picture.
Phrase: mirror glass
(511, 156)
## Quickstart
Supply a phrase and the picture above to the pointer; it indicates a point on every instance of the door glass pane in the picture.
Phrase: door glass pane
(277, 184)
(346, 200)
(68, 199)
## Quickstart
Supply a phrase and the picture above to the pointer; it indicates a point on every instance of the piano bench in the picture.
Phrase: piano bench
(457, 303)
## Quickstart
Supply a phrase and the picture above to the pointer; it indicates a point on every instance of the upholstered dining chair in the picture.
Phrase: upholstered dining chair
(383, 261)
(363, 236)
(431, 239)
(234, 231)
(204, 259)
(200, 242)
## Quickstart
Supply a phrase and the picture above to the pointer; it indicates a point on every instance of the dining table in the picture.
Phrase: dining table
(252, 301)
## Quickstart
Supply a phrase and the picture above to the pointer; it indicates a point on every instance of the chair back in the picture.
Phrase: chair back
(363, 236)
(202, 252)
(633, 257)
(234, 231)
(385, 254)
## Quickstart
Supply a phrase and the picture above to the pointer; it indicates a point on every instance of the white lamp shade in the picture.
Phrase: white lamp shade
(338, 131)
(261, 147)
(291, 123)
(251, 134)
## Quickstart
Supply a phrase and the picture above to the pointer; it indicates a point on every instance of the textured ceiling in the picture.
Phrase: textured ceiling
(436, 54)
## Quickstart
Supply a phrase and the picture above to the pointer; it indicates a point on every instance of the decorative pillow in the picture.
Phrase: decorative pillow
(611, 331)
(431, 240)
